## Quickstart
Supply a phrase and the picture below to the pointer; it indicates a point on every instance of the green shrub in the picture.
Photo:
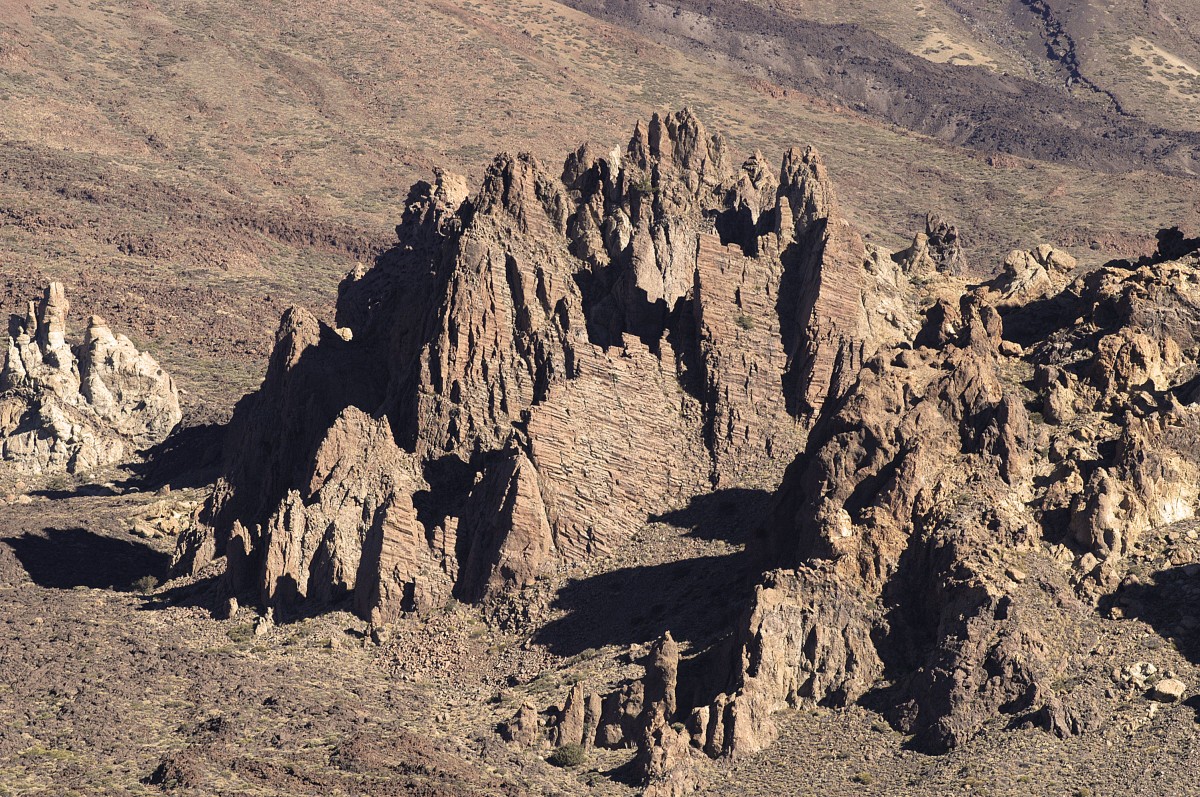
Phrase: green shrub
(241, 633)
(645, 186)
(146, 584)
(569, 755)
(744, 321)
(865, 778)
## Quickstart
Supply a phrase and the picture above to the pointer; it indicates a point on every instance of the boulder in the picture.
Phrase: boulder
(1168, 690)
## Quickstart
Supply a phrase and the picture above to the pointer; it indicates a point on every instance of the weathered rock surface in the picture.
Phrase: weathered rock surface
(556, 357)
(844, 298)
(666, 759)
(881, 487)
(351, 529)
(911, 499)
(523, 728)
(1031, 275)
(537, 368)
(937, 250)
(72, 409)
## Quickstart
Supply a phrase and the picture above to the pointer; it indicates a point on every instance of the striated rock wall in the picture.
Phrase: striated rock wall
(613, 444)
(743, 354)
(556, 358)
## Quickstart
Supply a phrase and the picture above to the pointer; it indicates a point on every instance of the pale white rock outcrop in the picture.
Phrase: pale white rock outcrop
(74, 409)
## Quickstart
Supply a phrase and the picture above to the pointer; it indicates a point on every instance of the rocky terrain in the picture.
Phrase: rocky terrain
(969, 107)
(250, 154)
(527, 354)
(733, 451)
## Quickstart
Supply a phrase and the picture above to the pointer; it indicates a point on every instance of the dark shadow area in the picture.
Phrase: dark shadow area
(190, 457)
(1032, 323)
(626, 773)
(695, 599)
(702, 601)
(788, 308)
(1193, 703)
(68, 558)
(204, 594)
(79, 491)
(684, 338)
(738, 226)
(734, 515)
(450, 481)
(1169, 604)
(1172, 245)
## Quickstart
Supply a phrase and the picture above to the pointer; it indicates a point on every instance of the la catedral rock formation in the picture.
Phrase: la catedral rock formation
(537, 367)
(67, 408)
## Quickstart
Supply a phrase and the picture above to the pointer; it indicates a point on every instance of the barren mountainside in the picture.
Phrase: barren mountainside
(608, 397)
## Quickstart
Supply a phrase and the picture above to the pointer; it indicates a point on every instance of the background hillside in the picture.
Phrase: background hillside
(190, 169)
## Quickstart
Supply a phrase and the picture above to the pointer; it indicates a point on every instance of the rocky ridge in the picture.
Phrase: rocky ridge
(555, 358)
(77, 408)
(1051, 434)
(536, 368)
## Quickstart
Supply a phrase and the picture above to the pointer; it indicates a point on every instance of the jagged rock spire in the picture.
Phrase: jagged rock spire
(557, 357)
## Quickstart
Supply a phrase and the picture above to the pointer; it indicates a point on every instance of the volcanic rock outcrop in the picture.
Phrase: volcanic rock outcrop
(75, 408)
(536, 368)
(906, 517)
(547, 362)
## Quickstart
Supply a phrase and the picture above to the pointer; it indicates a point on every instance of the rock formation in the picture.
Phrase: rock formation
(553, 359)
(1031, 275)
(903, 518)
(537, 367)
(938, 250)
(73, 409)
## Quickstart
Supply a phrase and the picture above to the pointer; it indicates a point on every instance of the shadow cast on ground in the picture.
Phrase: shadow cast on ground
(734, 515)
(1169, 603)
(699, 600)
(190, 457)
(76, 557)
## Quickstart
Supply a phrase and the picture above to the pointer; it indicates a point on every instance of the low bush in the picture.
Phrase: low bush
(569, 755)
